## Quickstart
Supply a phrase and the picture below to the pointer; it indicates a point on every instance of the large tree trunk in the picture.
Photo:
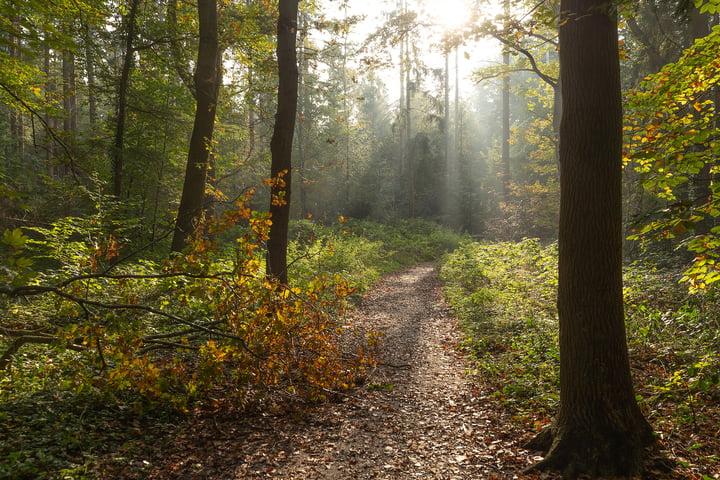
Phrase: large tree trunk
(599, 429)
(282, 140)
(206, 79)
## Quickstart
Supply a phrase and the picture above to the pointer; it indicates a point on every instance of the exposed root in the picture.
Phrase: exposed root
(597, 454)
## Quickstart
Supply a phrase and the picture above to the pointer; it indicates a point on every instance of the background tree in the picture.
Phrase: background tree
(207, 82)
(118, 161)
(282, 140)
(599, 429)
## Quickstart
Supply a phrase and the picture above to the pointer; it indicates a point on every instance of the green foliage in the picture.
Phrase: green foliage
(671, 141)
(505, 293)
(673, 342)
(707, 6)
(14, 265)
(142, 337)
(361, 250)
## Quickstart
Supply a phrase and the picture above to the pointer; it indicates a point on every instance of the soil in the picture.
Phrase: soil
(419, 416)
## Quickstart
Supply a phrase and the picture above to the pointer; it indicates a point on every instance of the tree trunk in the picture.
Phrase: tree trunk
(302, 121)
(599, 429)
(91, 81)
(118, 158)
(282, 140)
(17, 121)
(206, 80)
(50, 92)
(70, 123)
(213, 192)
(408, 129)
(506, 114)
(447, 184)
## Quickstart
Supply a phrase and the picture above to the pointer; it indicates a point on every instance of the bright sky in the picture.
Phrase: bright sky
(446, 14)
(451, 14)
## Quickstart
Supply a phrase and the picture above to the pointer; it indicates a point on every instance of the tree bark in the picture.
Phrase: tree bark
(505, 160)
(282, 140)
(599, 429)
(206, 80)
(118, 157)
(302, 120)
(70, 123)
(91, 80)
(17, 121)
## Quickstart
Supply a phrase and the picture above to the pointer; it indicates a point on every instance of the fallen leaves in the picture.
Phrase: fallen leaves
(434, 423)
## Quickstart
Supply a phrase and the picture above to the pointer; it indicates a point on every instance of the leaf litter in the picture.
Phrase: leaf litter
(418, 415)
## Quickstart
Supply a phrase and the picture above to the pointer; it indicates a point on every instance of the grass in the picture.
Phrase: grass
(505, 294)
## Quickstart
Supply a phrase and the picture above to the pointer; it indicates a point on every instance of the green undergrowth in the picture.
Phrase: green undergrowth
(362, 251)
(120, 348)
(505, 294)
(62, 434)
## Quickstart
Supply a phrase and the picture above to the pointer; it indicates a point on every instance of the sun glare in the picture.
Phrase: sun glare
(449, 14)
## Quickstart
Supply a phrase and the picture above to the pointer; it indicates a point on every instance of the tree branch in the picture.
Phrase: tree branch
(48, 129)
(6, 358)
(533, 64)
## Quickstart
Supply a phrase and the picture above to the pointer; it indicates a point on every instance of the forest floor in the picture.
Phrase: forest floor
(419, 415)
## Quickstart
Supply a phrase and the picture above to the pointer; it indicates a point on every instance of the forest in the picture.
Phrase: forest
(416, 238)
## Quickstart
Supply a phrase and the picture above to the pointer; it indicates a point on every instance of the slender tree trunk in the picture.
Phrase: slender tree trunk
(346, 114)
(17, 122)
(446, 138)
(599, 429)
(91, 80)
(118, 157)
(408, 130)
(69, 94)
(214, 192)
(302, 121)
(206, 80)
(506, 115)
(50, 91)
(557, 99)
(69, 101)
(456, 152)
(700, 188)
(252, 115)
(282, 140)
(401, 104)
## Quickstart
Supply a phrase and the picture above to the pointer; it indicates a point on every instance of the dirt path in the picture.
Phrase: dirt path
(420, 418)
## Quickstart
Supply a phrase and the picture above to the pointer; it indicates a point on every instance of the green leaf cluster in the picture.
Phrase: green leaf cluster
(15, 264)
(671, 142)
